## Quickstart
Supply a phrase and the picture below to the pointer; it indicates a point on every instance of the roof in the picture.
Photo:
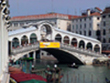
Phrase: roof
(93, 14)
(22, 30)
(106, 10)
(78, 35)
(42, 16)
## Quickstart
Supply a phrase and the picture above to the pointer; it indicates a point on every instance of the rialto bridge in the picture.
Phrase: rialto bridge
(73, 47)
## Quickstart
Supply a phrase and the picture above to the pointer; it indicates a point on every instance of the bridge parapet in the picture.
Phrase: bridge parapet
(79, 50)
(24, 48)
(62, 46)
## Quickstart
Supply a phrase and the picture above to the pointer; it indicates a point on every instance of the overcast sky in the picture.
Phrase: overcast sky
(73, 7)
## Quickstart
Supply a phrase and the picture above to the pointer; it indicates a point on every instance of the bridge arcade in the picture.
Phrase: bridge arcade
(45, 30)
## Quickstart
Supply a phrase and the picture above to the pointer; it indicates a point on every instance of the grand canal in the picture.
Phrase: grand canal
(84, 74)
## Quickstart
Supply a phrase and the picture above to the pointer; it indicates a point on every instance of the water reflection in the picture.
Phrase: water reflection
(84, 74)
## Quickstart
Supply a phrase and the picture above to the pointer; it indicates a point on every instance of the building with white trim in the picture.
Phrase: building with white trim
(61, 21)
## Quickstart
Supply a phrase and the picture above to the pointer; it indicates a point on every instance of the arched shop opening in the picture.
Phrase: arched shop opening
(66, 40)
(97, 48)
(15, 42)
(74, 42)
(58, 38)
(81, 44)
(24, 40)
(89, 46)
(33, 38)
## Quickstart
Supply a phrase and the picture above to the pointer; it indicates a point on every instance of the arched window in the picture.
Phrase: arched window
(97, 48)
(24, 40)
(66, 40)
(33, 38)
(15, 42)
(74, 42)
(89, 46)
(81, 44)
(58, 38)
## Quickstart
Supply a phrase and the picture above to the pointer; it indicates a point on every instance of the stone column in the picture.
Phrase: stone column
(34, 55)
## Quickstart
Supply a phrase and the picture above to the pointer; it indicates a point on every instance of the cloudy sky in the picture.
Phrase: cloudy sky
(33, 7)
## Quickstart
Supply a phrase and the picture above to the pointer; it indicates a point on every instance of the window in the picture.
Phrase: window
(76, 26)
(73, 21)
(104, 23)
(99, 38)
(109, 30)
(104, 32)
(89, 33)
(73, 27)
(21, 24)
(90, 25)
(84, 19)
(98, 18)
(80, 32)
(98, 33)
(109, 40)
(15, 24)
(109, 15)
(80, 20)
(85, 33)
(103, 16)
(104, 40)
(76, 20)
(80, 26)
(90, 18)
(84, 25)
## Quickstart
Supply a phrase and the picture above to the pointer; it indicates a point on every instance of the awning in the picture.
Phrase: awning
(33, 81)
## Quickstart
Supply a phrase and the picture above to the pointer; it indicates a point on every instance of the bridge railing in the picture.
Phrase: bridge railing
(79, 50)
(63, 46)
(25, 48)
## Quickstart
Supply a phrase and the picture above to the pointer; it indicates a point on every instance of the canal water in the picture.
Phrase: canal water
(84, 74)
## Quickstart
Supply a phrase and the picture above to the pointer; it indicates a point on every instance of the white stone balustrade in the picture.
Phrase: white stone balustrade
(25, 48)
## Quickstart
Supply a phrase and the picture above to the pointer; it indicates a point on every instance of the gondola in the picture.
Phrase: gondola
(73, 66)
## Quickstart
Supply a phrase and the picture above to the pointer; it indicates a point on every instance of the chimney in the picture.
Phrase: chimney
(88, 12)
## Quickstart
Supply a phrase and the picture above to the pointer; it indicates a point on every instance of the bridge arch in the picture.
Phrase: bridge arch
(74, 42)
(66, 40)
(58, 37)
(89, 46)
(24, 40)
(45, 31)
(33, 38)
(81, 44)
(97, 48)
(63, 56)
(15, 42)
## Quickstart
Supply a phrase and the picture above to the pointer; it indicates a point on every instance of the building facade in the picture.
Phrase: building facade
(88, 23)
(61, 21)
(105, 29)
